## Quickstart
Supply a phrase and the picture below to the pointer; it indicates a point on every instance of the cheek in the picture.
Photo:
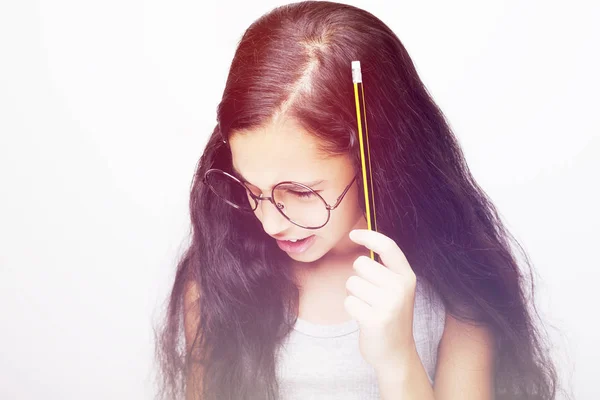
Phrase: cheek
(350, 211)
(341, 222)
(342, 219)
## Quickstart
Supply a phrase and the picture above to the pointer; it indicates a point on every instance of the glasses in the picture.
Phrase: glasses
(298, 203)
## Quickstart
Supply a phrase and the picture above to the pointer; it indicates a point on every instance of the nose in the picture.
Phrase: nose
(272, 221)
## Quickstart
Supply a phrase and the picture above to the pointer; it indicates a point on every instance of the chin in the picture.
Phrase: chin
(306, 257)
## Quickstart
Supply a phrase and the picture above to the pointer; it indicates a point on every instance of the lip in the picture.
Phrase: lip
(290, 247)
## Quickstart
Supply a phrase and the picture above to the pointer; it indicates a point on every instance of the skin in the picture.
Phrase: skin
(338, 281)
(283, 151)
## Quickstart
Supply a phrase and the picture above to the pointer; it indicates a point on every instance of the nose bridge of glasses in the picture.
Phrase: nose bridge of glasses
(269, 198)
(261, 197)
(272, 219)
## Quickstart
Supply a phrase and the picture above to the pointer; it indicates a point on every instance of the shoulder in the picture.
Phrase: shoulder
(428, 324)
(465, 361)
(429, 310)
(463, 352)
(466, 341)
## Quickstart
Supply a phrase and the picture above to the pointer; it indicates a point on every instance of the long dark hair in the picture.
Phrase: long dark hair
(295, 61)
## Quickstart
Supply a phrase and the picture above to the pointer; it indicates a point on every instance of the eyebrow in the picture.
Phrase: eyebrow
(238, 175)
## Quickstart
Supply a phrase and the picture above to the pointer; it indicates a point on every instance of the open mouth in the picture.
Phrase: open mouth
(296, 240)
(297, 246)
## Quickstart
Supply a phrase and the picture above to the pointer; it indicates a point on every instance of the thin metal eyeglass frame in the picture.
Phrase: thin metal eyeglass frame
(256, 199)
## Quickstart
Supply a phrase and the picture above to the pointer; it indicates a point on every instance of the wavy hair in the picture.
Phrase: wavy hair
(295, 61)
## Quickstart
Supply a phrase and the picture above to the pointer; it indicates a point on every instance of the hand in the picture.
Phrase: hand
(381, 298)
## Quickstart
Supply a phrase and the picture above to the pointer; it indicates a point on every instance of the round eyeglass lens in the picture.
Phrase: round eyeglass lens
(301, 204)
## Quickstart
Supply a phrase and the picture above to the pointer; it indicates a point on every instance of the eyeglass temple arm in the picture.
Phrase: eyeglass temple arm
(339, 199)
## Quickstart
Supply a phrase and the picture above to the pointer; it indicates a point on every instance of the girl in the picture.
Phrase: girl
(276, 297)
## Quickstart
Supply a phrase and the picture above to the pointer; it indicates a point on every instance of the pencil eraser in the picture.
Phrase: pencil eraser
(356, 73)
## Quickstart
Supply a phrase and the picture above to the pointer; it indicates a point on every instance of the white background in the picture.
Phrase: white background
(104, 111)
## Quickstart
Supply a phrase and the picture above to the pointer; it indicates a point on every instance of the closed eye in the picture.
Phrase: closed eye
(303, 194)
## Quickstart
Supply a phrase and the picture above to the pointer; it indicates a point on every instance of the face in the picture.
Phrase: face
(283, 151)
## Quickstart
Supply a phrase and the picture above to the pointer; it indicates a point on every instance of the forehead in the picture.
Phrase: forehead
(281, 150)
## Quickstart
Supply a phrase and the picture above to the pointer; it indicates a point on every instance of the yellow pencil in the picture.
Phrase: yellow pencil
(365, 155)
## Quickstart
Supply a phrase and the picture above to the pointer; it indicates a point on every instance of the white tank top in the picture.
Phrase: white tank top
(323, 362)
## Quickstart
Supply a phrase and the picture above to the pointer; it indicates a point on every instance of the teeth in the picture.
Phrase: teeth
(293, 241)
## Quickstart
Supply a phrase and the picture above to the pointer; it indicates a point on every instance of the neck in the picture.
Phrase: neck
(336, 264)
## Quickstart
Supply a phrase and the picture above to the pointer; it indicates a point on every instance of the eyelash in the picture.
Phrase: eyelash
(303, 194)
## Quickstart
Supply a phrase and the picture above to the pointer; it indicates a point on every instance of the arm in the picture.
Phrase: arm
(191, 322)
(464, 368)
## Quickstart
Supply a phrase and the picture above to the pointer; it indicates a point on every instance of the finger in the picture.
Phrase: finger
(358, 309)
(391, 255)
(375, 273)
(364, 290)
